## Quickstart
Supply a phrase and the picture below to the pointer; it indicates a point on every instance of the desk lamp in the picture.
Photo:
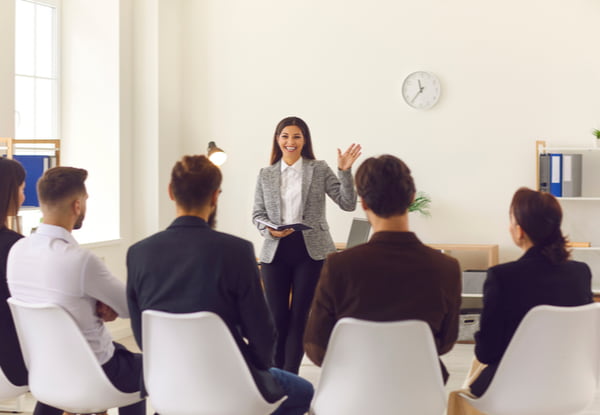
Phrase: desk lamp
(215, 154)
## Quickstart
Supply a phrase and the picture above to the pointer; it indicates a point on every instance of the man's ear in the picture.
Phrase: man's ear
(215, 197)
(76, 206)
(170, 191)
(363, 204)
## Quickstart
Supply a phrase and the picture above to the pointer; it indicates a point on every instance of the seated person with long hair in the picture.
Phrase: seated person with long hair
(543, 275)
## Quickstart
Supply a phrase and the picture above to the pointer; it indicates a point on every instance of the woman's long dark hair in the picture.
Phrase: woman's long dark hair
(540, 216)
(12, 175)
(307, 150)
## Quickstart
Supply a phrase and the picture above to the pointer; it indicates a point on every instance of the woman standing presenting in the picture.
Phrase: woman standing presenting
(12, 196)
(292, 190)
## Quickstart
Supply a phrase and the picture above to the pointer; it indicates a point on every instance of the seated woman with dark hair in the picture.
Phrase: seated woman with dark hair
(12, 185)
(543, 275)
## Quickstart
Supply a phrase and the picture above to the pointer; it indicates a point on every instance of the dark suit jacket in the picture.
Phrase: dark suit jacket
(11, 359)
(190, 267)
(392, 277)
(511, 290)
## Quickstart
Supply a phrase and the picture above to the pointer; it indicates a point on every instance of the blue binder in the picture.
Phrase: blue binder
(556, 174)
(34, 166)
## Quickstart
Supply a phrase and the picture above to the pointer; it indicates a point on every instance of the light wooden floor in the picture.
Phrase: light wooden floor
(457, 362)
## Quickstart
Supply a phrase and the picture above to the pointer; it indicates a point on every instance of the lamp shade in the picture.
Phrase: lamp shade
(215, 154)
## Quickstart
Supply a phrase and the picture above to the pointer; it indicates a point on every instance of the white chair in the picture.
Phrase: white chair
(10, 391)
(550, 366)
(381, 368)
(63, 370)
(193, 366)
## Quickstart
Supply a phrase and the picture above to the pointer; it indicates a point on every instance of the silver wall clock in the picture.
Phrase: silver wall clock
(421, 90)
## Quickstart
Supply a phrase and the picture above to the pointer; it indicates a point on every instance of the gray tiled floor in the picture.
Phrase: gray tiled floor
(457, 362)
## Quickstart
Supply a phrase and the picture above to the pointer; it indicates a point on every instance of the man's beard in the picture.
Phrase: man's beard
(79, 222)
(212, 219)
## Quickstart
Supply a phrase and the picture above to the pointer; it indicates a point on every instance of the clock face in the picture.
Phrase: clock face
(421, 90)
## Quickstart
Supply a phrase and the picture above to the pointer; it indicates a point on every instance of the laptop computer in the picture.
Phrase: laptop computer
(359, 232)
(472, 291)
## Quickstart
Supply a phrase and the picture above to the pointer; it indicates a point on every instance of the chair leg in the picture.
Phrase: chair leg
(457, 405)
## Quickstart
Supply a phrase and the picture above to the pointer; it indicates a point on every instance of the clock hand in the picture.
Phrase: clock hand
(416, 95)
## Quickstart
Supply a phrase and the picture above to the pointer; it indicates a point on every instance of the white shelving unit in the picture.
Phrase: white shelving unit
(578, 198)
(580, 212)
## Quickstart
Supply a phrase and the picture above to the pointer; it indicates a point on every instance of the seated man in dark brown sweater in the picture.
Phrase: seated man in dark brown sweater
(392, 277)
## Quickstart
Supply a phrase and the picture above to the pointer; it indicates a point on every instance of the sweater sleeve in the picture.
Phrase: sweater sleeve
(259, 210)
(449, 330)
(341, 188)
(490, 340)
(101, 284)
(257, 325)
(322, 318)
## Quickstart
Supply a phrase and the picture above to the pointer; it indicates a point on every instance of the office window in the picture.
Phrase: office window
(36, 70)
(36, 84)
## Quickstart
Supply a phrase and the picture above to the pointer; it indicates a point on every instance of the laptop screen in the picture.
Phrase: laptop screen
(472, 281)
(359, 232)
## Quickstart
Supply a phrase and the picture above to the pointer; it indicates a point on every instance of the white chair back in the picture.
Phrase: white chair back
(8, 390)
(551, 365)
(63, 370)
(193, 366)
(381, 368)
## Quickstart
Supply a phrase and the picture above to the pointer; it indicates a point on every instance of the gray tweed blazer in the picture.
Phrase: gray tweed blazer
(317, 180)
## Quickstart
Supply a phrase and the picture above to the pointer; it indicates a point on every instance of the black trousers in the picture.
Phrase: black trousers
(480, 385)
(289, 283)
(124, 370)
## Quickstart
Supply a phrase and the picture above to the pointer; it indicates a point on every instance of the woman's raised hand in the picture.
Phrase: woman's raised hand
(348, 157)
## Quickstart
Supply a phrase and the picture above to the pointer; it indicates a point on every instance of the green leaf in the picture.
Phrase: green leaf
(421, 204)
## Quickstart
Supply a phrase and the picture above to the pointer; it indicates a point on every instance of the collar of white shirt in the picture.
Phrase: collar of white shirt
(296, 166)
(55, 232)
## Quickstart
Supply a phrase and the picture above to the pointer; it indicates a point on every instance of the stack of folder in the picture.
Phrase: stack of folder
(560, 174)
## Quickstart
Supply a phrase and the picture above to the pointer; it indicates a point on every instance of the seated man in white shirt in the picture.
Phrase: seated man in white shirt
(50, 267)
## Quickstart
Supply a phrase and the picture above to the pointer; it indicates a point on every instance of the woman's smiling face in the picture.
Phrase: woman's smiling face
(291, 142)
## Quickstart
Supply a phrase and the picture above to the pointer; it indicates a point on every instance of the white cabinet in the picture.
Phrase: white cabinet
(581, 215)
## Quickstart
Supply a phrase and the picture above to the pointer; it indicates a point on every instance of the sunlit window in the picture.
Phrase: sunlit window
(36, 70)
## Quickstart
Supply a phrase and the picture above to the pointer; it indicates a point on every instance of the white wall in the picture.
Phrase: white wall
(155, 86)
(90, 97)
(511, 72)
(7, 68)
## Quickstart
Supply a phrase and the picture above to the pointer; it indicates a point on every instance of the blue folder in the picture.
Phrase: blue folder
(35, 166)
(556, 174)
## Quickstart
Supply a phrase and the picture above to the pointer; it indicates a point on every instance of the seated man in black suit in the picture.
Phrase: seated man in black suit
(191, 267)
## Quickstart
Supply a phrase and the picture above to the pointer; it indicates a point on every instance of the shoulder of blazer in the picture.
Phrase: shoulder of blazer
(270, 174)
(319, 167)
(272, 168)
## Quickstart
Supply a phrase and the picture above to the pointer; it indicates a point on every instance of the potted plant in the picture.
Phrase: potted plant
(596, 133)
(421, 204)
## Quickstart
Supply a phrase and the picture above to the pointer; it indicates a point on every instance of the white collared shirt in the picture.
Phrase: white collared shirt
(291, 192)
(50, 267)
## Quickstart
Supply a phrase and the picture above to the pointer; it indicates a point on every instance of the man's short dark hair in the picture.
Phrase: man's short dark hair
(385, 185)
(60, 183)
(194, 179)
